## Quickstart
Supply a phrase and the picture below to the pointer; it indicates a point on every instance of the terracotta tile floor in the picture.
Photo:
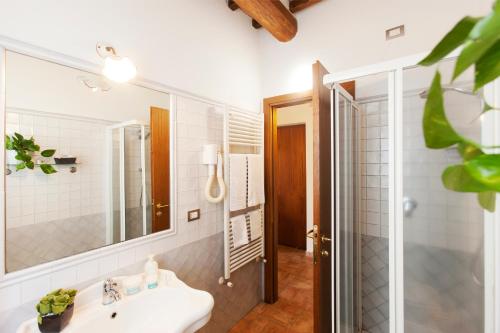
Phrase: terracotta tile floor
(293, 312)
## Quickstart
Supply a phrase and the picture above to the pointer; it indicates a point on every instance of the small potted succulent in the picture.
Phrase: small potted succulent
(20, 152)
(55, 310)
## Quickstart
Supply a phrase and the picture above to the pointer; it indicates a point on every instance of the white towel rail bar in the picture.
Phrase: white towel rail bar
(243, 133)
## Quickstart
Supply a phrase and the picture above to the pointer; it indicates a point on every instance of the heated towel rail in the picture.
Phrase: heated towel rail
(243, 134)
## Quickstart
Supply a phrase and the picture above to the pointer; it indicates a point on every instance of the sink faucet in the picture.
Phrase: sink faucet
(110, 293)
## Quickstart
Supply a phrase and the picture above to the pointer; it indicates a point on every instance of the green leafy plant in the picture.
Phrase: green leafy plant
(25, 148)
(479, 171)
(55, 303)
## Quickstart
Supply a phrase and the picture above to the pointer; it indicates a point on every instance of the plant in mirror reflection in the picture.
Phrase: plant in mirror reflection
(25, 149)
(479, 171)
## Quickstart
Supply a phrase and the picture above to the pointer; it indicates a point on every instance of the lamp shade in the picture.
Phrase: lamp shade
(119, 69)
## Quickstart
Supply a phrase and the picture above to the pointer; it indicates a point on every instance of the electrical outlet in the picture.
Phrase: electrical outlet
(194, 215)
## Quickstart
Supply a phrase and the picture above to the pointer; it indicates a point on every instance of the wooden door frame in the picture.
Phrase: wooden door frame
(271, 105)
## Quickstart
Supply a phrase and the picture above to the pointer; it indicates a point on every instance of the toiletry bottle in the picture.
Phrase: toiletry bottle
(151, 272)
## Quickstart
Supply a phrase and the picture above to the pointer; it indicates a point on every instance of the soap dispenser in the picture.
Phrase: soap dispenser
(151, 272)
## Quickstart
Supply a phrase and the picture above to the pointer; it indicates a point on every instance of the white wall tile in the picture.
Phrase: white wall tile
(35, 288)
(63, 278)
(10, 297)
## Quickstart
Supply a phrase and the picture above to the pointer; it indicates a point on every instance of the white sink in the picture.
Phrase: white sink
(172, 307)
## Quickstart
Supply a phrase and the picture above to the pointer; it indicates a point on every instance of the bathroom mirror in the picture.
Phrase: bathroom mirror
(87, 161)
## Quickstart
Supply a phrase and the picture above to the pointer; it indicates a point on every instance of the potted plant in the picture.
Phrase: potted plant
(22, 150)
(55, 310)
(478, 39)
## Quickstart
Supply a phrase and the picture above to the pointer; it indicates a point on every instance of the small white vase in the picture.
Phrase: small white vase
(10, 157)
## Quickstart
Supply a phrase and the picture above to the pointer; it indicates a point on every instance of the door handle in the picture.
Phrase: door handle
(159, 206)
(313, 234)
(325, 239)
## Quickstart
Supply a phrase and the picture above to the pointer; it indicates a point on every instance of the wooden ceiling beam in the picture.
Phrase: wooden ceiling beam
(298, 5)
(256, 24)
(273, 16)
(232, 5)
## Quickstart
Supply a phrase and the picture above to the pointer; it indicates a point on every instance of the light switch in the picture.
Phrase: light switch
(194, 215)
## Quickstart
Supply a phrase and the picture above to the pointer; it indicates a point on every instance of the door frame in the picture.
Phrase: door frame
(271, 105)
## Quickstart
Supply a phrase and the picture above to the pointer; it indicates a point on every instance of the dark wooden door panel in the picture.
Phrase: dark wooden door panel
(292, 186)
(160, 168)
(322, 210)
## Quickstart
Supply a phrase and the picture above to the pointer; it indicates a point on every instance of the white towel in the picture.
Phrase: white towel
(237, 182)
(255, 180)
(255, 224)
(240, 231)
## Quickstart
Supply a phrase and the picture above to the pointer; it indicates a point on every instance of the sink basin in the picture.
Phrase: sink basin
(172, 307)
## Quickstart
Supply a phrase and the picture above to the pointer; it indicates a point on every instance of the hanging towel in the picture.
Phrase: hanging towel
(255, 180)
(240, 231)
(255, 217)
(237, 182)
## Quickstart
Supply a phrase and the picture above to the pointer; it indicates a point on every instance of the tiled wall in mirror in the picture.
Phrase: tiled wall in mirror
(87, 161)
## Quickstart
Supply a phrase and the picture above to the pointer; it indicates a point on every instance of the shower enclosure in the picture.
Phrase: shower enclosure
(410, 255)
(129, 181)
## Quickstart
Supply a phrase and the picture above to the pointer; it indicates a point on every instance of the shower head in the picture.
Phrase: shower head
(145, 136)
(425, 93)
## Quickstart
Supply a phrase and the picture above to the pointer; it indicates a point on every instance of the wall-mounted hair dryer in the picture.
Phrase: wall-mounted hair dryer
(213, 158)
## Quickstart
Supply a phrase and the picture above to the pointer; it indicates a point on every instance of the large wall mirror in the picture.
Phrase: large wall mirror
(87, 161)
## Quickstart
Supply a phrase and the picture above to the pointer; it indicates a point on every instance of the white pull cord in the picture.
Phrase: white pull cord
(211, 177)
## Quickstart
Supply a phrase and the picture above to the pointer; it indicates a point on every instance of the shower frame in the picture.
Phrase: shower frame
(490, 133)
(109, 166)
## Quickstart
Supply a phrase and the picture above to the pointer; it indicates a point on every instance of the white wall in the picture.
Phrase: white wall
(345, 34)
(198, 46)
(41, 86)
(303, 114)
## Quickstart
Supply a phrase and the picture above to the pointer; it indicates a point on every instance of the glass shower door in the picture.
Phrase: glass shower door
(443, 230)
(345, 239)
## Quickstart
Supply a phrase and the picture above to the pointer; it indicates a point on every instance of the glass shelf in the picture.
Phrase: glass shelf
(61, 164)
(72, 167)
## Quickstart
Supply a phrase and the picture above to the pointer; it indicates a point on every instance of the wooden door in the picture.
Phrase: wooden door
(322, 205)
(292, 186)
(160, 168)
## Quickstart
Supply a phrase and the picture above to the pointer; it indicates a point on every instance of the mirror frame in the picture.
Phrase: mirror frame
(9, 278)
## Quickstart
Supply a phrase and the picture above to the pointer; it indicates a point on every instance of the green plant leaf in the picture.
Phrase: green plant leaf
(456, 178)
(8, 143)
(487, 200)
(20, 166)
(453, 39)
(482, 37)
(39, 319)
(486, 170)
(469, 151)
(47, 169)
(43, 309)
(19, 136)
(488, 67)
(438, 132)
(22, 156)
(487, 107)
(472, 52)
(48, 152)
(488, 26)
(30, 165)
(58, 308)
